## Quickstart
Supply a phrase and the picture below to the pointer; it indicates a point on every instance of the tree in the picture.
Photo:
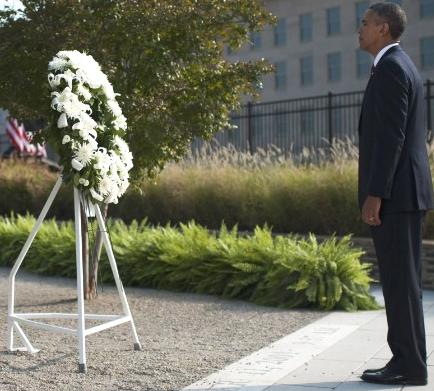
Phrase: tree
(165, 58)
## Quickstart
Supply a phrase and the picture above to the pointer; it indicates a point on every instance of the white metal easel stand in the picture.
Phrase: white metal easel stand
(14, 319)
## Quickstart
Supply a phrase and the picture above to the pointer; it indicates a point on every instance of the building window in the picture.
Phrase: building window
(334, 61)
(306, 27)
(307, 121)
(280, 33)
(306, 70)
(426, 8)
(280, 75)
(333, 21)
(361, 8)
(427, 52)
(255, 40)
(364, 63)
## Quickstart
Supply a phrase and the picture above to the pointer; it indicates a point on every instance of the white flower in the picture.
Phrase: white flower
(103, 161)
(78, 60)
(68, 76)
(82, 72)
(123, 187)
(120, 122)
(95, 195)
(60, 98)
(76, 165)
(127, 160)
(85, 122)
(83, 182)
(91, 76)
(65, 53)
(53, 81)
(111, 198)
(84, 134)
(89, 136)
(123, 174)
(68, 102)
(58, 64)
(108, 91)
(114, 177)
(105, 185)
(114, 108)
(93, 143)
(121, 144)
(84, 92)
(62, 122)
(84, 153)
(75, 109)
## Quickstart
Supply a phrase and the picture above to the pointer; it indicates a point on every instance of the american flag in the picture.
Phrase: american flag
(22, 140)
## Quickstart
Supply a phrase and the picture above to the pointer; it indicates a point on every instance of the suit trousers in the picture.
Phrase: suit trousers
(398, 245)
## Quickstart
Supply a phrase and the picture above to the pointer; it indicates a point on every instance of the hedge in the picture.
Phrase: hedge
(284, 271)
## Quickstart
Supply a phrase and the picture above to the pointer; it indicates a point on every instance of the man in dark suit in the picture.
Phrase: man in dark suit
(395, 188)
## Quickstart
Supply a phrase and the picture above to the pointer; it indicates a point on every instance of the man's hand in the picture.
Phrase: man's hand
(371, 210)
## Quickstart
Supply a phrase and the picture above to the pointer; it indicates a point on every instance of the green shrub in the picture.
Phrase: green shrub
(284, 271)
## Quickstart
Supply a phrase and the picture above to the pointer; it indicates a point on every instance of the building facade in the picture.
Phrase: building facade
(314, 46)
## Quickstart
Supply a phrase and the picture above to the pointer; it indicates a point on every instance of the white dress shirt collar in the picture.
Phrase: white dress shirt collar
(382, 51)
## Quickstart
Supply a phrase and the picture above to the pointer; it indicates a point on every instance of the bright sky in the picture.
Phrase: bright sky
(12, 3)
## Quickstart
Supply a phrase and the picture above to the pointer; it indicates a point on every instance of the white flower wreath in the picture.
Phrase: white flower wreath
(88, 127)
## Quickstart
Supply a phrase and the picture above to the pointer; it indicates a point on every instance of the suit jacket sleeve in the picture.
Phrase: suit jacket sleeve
(390, 102)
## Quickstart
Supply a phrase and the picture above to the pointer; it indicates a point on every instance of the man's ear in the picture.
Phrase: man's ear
(385, 29)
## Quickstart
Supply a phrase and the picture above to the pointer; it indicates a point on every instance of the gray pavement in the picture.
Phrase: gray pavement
(351, 342)
(218, 344)
(185, 337)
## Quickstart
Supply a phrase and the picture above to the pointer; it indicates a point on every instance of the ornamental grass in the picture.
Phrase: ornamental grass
(315, 191)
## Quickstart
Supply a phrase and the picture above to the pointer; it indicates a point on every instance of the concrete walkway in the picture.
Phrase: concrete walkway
(329, 354)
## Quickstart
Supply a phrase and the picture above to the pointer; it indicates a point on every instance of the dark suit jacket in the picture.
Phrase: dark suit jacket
(393, 159)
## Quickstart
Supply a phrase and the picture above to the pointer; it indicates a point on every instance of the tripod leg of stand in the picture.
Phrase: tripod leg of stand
(19, 261)
(80, 298)
(111, 257)
(28, 346)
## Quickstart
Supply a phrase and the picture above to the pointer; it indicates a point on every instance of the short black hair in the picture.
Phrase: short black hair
(393, 15)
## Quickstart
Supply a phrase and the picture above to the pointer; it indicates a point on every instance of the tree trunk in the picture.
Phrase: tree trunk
(85, 251)
(96, 254)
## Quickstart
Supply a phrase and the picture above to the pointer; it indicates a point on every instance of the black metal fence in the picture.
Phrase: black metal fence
(305, 122)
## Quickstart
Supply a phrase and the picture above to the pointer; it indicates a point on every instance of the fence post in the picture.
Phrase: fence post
(428, 109)
(249, 127)
(330, 118)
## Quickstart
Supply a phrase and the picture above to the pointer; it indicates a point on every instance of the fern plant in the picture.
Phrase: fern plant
(284, 271)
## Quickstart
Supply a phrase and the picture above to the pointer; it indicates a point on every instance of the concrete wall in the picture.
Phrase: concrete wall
(427, 259)
(346, 42)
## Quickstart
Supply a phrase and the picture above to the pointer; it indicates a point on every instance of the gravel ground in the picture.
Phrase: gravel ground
(185, 337)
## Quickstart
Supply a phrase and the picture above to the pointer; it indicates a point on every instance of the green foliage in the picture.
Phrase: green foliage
(283, 271)
(165, 58)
